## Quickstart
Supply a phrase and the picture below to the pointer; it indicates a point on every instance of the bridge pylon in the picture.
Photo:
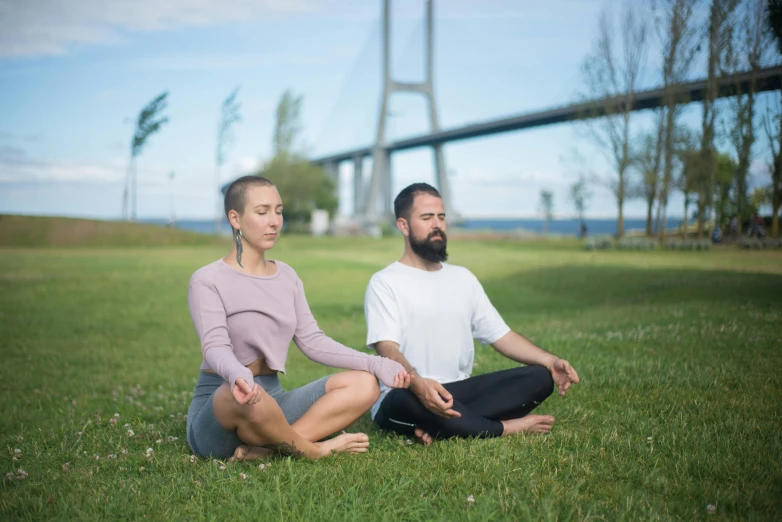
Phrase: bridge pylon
(377, 203)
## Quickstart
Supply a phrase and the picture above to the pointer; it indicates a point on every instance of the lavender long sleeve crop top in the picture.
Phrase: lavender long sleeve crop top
(241, 318)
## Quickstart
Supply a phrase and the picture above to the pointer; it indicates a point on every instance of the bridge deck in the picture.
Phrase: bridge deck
(766, 80)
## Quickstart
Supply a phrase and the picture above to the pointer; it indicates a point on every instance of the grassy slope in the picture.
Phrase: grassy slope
(679, 347)
(36, 232)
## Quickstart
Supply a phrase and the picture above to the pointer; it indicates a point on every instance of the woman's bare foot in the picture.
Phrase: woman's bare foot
(424, 437)
(245, 452)
(344, 443)
(528, 424)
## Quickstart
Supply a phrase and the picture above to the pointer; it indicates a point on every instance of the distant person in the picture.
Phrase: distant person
(716, 234)
(424, 314)
(246, 310)
(760, 227)
(582, 230)
(753, 226)
(734, 226)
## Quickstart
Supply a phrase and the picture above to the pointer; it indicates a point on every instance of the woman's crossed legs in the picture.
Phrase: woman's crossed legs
(296, 424)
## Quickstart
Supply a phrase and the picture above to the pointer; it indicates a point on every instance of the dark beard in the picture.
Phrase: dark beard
(432, 251)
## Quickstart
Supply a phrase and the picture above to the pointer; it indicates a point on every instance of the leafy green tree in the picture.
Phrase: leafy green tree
(303, 186)
(724, 174)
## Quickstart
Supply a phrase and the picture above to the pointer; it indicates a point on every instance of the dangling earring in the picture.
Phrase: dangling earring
(238, 239)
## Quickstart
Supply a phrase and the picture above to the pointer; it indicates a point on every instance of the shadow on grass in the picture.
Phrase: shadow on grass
(571, 288)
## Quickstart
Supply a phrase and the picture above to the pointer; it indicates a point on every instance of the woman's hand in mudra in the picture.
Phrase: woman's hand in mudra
(401, 380)
(244, 393)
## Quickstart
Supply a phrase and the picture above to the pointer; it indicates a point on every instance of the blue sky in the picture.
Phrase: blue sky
(71, 76)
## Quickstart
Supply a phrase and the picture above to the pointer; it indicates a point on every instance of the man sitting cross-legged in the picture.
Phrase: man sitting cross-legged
(424, 314)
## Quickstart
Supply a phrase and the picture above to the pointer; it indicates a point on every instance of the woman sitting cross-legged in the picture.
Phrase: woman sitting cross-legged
(246, 309)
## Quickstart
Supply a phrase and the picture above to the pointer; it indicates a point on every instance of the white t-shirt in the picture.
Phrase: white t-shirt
(433, 316)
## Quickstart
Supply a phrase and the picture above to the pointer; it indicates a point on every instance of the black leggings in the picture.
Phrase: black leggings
(483, 401)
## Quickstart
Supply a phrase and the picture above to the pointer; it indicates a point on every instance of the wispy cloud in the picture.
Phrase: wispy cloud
(224, 62)
(17, 167)
(53, 27)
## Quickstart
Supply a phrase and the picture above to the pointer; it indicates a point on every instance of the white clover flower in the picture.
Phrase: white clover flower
(172, 439)
(66, 467)
(470, 499)
(244, 476)
(159, 441)
(116, 415)
(112, 456)
(21, 474)
(17, 451)
(711, 509)
(124, 452)
(261, 467)
(192, 458)
(222, 467)
(131, 433)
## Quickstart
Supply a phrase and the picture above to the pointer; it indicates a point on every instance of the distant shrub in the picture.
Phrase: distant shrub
(754, 243)
(636, 243)
(687, 244)
(604, 242)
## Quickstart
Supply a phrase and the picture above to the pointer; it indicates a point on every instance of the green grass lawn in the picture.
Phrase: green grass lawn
(679, 355)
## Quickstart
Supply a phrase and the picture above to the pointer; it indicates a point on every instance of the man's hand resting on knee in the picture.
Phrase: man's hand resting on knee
(434, 397)
(563, 375)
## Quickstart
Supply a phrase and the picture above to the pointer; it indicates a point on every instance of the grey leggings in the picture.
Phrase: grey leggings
(208, 439)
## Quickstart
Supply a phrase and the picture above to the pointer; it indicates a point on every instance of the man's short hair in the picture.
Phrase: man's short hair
(403, 203)
(236, 195)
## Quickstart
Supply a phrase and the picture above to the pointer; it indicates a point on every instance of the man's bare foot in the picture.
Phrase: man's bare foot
(245, 452)
(424, 437)
(344, 443)
(528, 424)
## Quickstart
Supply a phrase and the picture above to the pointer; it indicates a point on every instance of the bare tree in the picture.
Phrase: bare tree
(146, 126)
(229, 115)
(580, 196)
(648, 160)
(775, 24)
(612, 70)
(718, 35)
(679, 36)
(775, 166)
(546, 208)
(747, 50)
(691, 180)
